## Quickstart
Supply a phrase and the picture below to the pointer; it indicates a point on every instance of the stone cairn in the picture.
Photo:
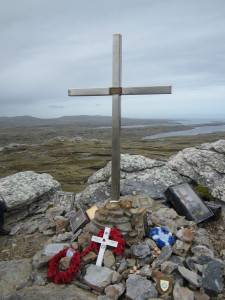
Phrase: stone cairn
(196, 271)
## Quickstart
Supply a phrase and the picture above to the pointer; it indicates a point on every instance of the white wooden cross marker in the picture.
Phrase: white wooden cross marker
(104, 241)
(116, 91)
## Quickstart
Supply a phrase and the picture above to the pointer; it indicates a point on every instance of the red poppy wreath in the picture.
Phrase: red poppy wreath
(56, 276)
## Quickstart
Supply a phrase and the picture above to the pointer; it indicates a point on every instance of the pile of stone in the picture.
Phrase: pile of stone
(195, 269)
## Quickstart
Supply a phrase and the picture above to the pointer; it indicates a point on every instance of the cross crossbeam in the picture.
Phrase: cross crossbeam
(148, 90)
(116, 91)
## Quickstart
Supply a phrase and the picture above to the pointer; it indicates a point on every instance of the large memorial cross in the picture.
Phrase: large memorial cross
(116, 91)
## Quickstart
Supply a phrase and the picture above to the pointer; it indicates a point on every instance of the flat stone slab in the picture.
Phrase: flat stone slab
(52, 249)
(99, 277)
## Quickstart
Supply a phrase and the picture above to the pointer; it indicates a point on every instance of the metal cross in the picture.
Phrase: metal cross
(116, 91)
(104, 241)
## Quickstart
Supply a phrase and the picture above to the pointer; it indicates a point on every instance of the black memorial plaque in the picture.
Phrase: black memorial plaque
(187, 203)
(79, 220)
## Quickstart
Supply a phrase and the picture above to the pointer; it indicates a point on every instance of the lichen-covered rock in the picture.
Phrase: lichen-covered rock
(152, 182)
(138, 175)
(129, 164)
(204, 165)
(25, 191)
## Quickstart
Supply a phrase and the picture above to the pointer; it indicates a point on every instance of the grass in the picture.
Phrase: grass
(70, 164)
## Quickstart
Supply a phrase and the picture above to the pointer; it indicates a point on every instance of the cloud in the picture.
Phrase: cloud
(55, 106)
(49, 46)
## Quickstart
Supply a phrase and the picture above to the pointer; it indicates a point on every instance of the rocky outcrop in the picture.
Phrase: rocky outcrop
(204, 165)
(25, 192)
(138, 175)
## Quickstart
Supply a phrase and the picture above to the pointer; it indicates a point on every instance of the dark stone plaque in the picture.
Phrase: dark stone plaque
(187, 203)
(79, 220)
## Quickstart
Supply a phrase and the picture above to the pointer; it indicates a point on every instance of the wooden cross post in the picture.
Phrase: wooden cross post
(116, 91)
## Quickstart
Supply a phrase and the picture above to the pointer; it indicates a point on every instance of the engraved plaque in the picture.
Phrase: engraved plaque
(187, 203)
(79, 220)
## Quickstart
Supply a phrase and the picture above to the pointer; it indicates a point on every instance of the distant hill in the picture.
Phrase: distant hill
(82, 121)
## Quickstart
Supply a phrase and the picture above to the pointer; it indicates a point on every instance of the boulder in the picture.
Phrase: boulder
(139, 175)
(25, 192)
(204, 165)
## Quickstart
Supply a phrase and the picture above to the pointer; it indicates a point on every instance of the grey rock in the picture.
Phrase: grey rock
(150, 243)
(146, 271)
(63, 237)
(168, 267)
(201, 296)
(140, 251)
(48, 232)
(218, 146)
(14, 273)
(98, 277)
(181, 248)
(201, 237)
(92, 195)
(182, 293)
(203, 259)
(34, 227)
(129, 164)
(164, 255)
(152, 182)
(212, 280)
(103, 297)
(122, 266)
(114, 291)
(222, 254)
(109, 259)
(190, 276)
(177, 259)
(16, 229)
(23, 284)
(201, 249)
(39, 280)
(24, 192)
(138, 288)
(51, 292)
(205, 166)
(53, 212)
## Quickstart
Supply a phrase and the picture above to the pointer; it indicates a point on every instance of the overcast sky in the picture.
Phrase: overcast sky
(48, 46)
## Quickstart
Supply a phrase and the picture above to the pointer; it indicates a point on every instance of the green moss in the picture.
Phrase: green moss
(203, 192)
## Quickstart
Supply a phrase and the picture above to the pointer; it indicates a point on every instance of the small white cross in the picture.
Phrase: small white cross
(104, 241)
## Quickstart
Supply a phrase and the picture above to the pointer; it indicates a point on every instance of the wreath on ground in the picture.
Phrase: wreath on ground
(55, 275)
